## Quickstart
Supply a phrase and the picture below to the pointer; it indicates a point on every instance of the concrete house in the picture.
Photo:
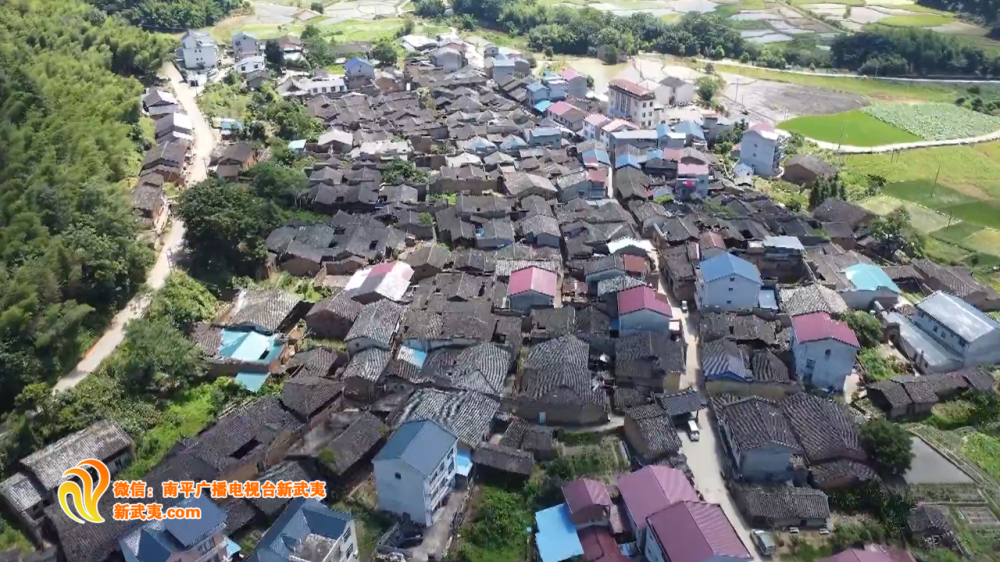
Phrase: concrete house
(359, 68)
(180, 540)
(643, 309)
(824, 349)
(544, 136)
(246, 45)
(805, 169)
(762, 149)
(198, 51)
(628, 100)
(532, 287)
(588, 502)
(650, 490)
(415, 470)
(869, 283)
(727, 283)
(248, 65)
(760, 440)
(537, 92)
(693, 531)
(309, 531)
(963, 330)
(576, 83)
(675, 91)
(448, 59)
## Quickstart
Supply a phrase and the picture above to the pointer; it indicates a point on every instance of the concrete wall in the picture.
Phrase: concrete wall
(529, 300)
(401, 490)
(825, 363)
(730, 294)
(769, 462)
(643, 320)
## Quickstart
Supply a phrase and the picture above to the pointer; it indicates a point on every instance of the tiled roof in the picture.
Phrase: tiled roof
(354, 443)
(781, 503)
(367, 364)
(811, 298)
(653, 488)
(767, 367)
(261, 309)
(831, 472)
(305, 394)
(643, 355)
(468, 415)
(693, 531)
(287, 471)
(261, 421)
(101, 441)
(377, 321)
(754, 422)
(824, 428)
(295, 532)
(556, 372)
(504, 458)
(687, 401)
(723, 359)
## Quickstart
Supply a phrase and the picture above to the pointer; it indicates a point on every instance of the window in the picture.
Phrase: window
(827, 353)
(810, 364)
(732, 279)
(730, 289)
(398, 476)
(350, 551)
(347, 533)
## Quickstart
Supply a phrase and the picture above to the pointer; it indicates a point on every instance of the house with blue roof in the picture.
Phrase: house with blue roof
(627, 159)
(181, 540)
(728, 283)
(359, 68)
(869, 283)
(309, 531)
(595, 157)
(693, 131)
(415, 470)
(544, 136)
(512, 144)
(537, 92)
(542, 106)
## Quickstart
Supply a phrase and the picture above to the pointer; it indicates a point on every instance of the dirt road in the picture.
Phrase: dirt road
(172, 242)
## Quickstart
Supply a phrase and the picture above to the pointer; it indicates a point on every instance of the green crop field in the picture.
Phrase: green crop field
(948, 201)
(916, 20)
(972, 170)
(854, 128)
(934, 121)
(956, 233)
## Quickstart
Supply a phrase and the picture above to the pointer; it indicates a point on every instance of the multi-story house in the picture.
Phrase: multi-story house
(631, 101)
(180, 540)
(246, 45)
(198, 51)
(762, 149)
(415, 470)
(960, 327)
(726, 282)
(824, 349)
(307, 531)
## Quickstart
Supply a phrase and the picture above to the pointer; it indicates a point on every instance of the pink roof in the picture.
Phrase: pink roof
(532, 279)
(614, 125)
(651, 489)
(819, 326)
(635, 264)
(600, 546)
(694, 531)
(560, 107)
(585, 493)
(629, 87)
(596, 119)
(871, 553)
(597, 175)
(398, 268)
(762, 126)
(642, 298)
(692, 169)
(569, 74)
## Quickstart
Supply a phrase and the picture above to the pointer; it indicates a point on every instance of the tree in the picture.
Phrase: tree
(888, 445)
(278, 183)
(273, 54)
(893, 233)
(708, 86)
(291, 119)
(226, 225)
(399, 171)
(429, 8)
(182, 301)
(385, 52)
(156, 356)
(866, 327)
(316, 7)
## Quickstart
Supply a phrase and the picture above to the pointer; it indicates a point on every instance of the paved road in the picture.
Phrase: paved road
(847, 149)
(704, 456)
(172, 242)
(850, 75)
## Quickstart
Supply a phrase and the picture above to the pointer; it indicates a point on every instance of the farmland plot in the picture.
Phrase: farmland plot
(935, 121)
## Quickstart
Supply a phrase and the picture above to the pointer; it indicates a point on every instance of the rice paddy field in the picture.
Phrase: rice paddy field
(934, 121)
(854, 128)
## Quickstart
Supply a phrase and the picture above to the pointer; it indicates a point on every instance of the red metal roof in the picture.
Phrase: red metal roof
(651, 489)
(694, 531)
(597, 175)
(561, 107)
(596, 119)
(692, 169)
(532, 279)
(635, 264)
(871, 553)
(585, 493)
(569, 74)
(642, 298)
(630, 87)
(820, 326)
(762, 126)
(600, 546)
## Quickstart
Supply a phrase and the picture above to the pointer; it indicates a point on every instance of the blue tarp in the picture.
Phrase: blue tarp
(767, 300)
(297, 144)
(463, 464)
(231, 547)
(251, 381)
(868, 277)
(249, 346)
(542, 106)
(556, 537)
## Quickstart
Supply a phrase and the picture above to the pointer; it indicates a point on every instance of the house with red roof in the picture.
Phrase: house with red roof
(693, 531)
(387, 280)
(600, 546)
(532, 287)
(576, 83)
(824, 349)
(567, 115)
(649, 490)
(589, 503)
(642, 308)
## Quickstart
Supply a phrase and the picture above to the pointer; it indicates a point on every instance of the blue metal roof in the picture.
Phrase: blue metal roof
(154, 546)
(727, 265)
(251, 381)
(662, 130)
(536, 86)
(545, 132)
(158, 541)
(869, 277)
(463, 463)
(556, 537)
(301, 518)
(690, 128)
(542, 106)
(627, 160)
(601, 156)
(356, 61)
(190, 532)
(420, 444)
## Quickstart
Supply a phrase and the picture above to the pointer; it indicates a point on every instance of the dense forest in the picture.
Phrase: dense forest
(170, 13)
(986, 11)
(910, 51)
(70, 136)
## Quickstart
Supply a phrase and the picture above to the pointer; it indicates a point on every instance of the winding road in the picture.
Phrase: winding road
(173, 240)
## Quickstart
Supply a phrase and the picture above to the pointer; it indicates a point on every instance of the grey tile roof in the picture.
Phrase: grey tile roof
(645, 355)
(354, 443)
(504, 458)
(723, 359)
(753, 422)
(22, 491)
(551, 323)
(378, 322)
(315, 362)
(739, 327)
(368, 364)
(687, 401)
(287, 471)
(656, 429)
(778, 503)
(617, 284)
(261, 309)
(625, 398)
(261, 422)
(556, 372)
(825, 429)
(305, 394)
(339, 306)
(767, 367)
(830, 472)
(101, 440)
(811, 298)
(467, 414)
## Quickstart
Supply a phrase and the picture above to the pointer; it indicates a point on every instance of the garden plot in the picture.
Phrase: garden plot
(978, 516)
(778, 101)
(935, 121)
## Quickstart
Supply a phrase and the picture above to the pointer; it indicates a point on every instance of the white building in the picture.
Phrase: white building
(251, 64)
(762, 148)
(960, 327)
(448, 59)
(675, 91)
(198, 51)
(246, 45)
(415, 470)
(628, 100)
(726, 282)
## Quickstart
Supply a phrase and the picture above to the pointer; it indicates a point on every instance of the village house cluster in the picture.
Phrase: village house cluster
(544, 261)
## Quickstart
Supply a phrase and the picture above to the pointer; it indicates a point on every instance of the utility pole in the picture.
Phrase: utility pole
(934, 187)
(840, 142)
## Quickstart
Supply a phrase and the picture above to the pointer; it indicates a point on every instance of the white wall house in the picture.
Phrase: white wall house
(415, 470)
(674, 91)
(246, 45)
(247, 65)
(761, 148)
(824, 349)
(960, 327)
(726, 282)
(628, 100)
(198, 51)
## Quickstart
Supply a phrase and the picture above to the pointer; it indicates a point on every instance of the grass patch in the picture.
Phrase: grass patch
(497, 531)
(923, 219)
(580, 438)
(186, 417)
(945, 252)
(986, 241)
(984, 451)
(855, 128)
(841, 2)
(12, 537)
(951, 415)
(369, 523)
(949, 202)
(916, 20)
(956, 233)
(878, 365)
(727, 10)
(222, 100)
